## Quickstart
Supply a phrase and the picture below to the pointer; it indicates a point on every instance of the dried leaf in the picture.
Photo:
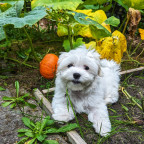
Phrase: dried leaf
(134, 19)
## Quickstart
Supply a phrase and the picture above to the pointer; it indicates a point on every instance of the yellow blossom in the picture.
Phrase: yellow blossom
(111, 48)
(141, 31)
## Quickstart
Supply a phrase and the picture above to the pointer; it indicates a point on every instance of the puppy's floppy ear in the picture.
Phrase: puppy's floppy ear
(93, 54)
(62, 56)
(100, 73)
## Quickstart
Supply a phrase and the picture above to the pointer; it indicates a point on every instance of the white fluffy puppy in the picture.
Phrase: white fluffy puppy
(92, 84)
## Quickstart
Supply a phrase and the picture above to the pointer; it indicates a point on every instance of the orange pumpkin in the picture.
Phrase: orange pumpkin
(48, 66)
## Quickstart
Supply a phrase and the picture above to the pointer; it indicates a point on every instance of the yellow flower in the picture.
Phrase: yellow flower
(111, 48)
(141, 31)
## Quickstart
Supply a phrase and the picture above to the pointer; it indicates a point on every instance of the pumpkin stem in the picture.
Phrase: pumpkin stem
(31, 46)
(69, 36)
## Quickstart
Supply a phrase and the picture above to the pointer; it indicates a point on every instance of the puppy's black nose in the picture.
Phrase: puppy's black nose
(76, 75)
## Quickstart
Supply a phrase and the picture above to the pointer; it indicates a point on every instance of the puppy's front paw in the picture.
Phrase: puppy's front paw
(103, 129)
(62, 117)
(110, 100)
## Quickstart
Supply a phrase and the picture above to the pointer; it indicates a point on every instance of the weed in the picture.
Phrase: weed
(38, 131)
(2, 89)
(17, 100)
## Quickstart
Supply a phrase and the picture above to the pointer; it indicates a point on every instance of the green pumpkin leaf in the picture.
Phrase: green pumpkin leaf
(66, 45)
(78, 42)
(112, 21)
(92, 2)
(97, 30)
(50, 142)
(4, 6)
(11, 16)
(136, 4)
(57, 4)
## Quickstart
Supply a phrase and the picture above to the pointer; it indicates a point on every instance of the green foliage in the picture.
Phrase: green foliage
(12, 16)
(136, 4)
(93, 2)
(38, 131)
(4, 7)
(77, 43)
(97, 30)
(57, 4)
(112, 21)
(2, 89)
(18, 100)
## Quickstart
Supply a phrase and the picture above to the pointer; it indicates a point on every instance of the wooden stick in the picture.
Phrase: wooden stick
(132, 70)
(48, 90)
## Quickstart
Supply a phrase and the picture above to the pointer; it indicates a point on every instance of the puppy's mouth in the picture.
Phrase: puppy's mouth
(76, 82)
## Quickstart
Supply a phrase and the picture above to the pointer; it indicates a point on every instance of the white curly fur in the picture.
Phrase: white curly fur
(90, 91)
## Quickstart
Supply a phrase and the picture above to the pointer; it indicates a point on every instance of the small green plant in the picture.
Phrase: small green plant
(38, 131)
(1, 88)
(17, 100)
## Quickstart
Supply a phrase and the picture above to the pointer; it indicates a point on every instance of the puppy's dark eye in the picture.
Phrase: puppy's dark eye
(86, 67)
(70, 65)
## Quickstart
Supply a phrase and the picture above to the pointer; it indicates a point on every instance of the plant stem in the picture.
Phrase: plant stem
(128, 17)
(20, 62)
(140, 53)
(122, 23)
(31, 46)
(136, 48)
(132, 60)
(131, 41)
(130, 97)
(114, 5)
(142, 101)
(74, 114)
(69, 37)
